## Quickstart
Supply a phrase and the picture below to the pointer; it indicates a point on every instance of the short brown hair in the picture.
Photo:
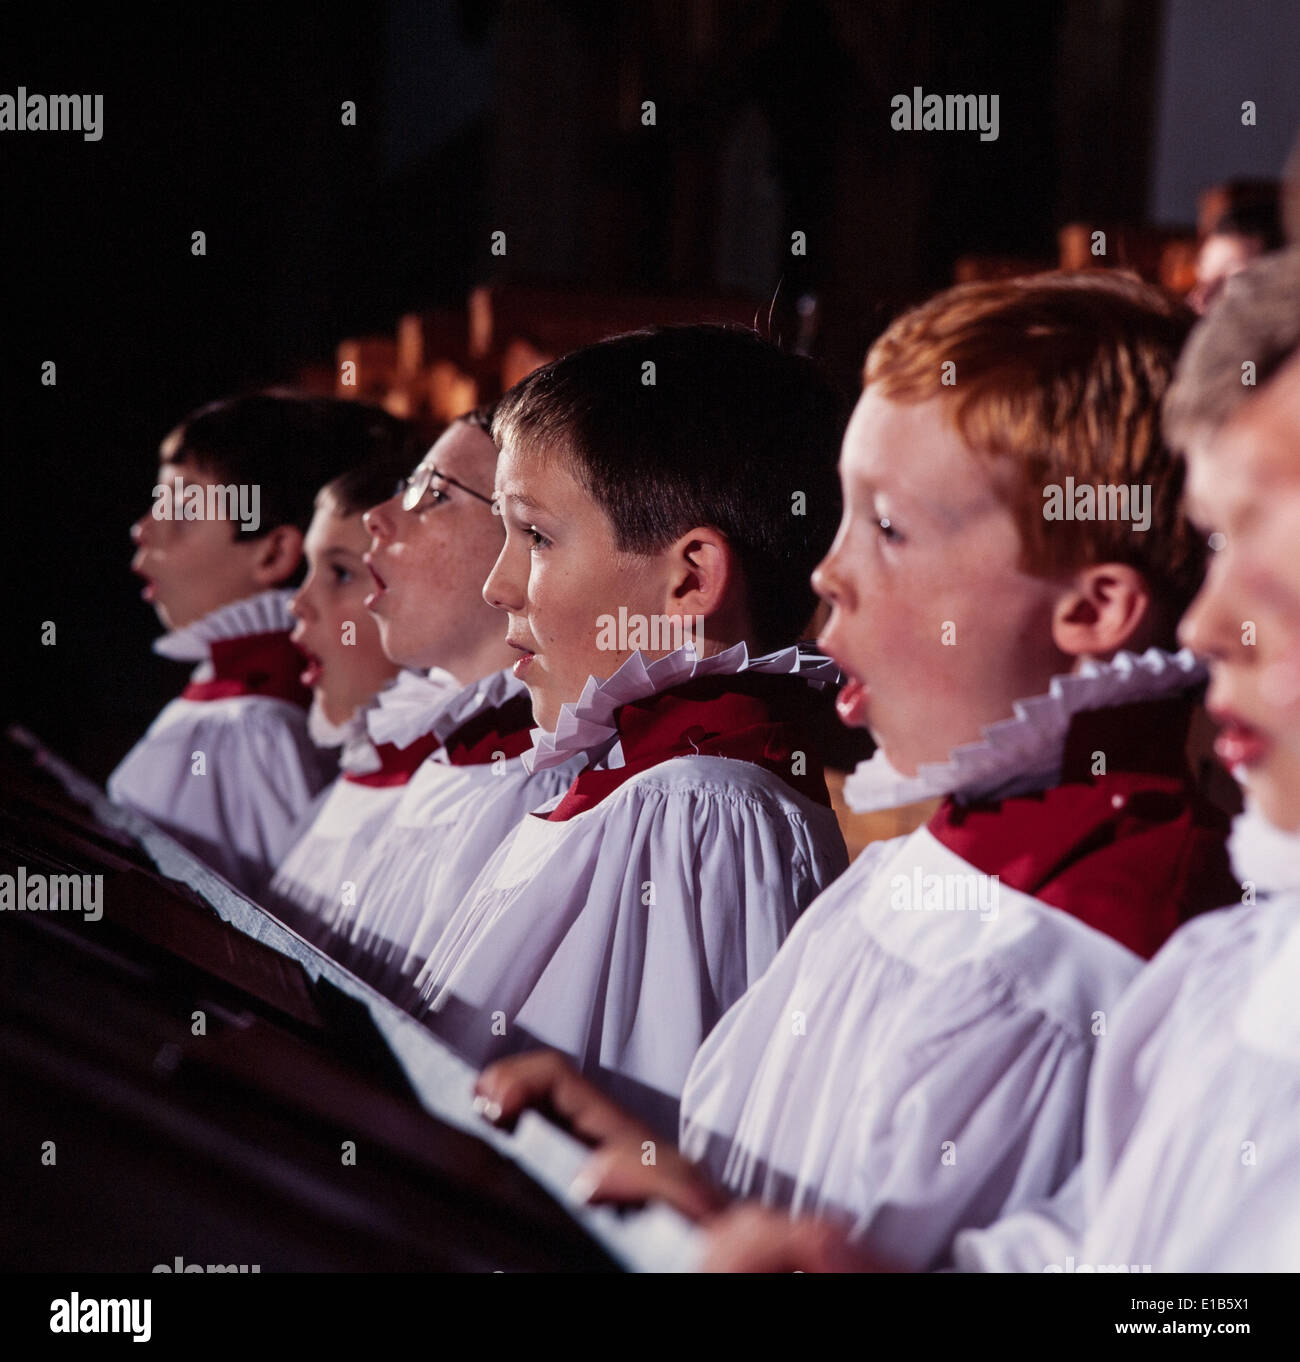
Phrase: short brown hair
(733, 433)
(1256, 320)
(1054, 376)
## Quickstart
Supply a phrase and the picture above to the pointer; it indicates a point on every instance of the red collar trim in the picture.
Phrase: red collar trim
(747, 717)
(396, 764)
(256, 664)
(1133, 852)
(503, 730)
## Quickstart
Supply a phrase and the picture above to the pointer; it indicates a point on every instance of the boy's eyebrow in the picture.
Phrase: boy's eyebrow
(949, 517)
(1194, 513)
(524, 503)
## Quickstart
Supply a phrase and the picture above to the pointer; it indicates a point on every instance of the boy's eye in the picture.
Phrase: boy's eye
(342, 575)
(540, 541)
(435, 496)
(887, 530)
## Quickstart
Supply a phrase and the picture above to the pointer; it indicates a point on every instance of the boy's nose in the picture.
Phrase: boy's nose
(139, 530)
(826, 581)
(300, 605)
(378, 520)
(1209, 626)
(500, 591)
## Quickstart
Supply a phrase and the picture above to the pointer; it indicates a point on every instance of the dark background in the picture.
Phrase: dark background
(772, 116)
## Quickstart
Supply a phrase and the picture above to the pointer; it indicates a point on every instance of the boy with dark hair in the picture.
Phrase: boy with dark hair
(228, 767)
(664, 494)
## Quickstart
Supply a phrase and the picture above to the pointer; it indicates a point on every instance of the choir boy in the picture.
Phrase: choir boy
(228, 767)
(665, 495)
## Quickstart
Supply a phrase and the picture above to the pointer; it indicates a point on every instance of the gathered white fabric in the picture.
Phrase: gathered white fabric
(421, 863)
(412, 705)
(908, 1070)
(416, 865)
(1192, 1147)
(239, 807)
(619, 936)
(1262, 854)
(404, 711)
(356, 752)
(1022, 754)
(312, 882)
(265, 613)
(586, 726)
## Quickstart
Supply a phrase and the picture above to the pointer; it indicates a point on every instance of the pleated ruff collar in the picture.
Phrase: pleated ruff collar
(1263, 854)
(383, 762)
(1023, 754)
(265, 613)
(1268, 860)
(588, 726)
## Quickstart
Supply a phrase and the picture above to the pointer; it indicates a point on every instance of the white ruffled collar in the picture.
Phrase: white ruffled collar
(1267, 861)
(1020, 755)
(586, 726)
(326, 734)
(1263, 854)
(409, 708)
(265, 613)
(359, 756)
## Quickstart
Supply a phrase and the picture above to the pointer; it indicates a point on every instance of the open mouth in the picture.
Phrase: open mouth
(149, 590)
(851, 702)
(312, 665)
(381, 586)
(854, 695)
(311, 673)
(1238, 745)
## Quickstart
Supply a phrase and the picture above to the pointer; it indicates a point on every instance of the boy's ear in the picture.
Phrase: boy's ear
(278, 553)
(703, 570)
(1104, 608)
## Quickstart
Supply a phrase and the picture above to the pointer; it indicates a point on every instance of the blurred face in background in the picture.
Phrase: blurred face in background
(1222, 255)
(193, 567)
(1243, 489)
(346, 665)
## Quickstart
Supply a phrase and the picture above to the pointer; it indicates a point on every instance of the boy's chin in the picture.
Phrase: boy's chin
(170, 617)
(1277, 801)
(545, 714)
(325, 726)
(416, 655)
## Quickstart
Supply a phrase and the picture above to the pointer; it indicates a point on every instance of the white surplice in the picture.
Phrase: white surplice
(314, 880)
(260, 770)
(621, 934)
(914, 1072)
(438, 835)
(1191, 1157)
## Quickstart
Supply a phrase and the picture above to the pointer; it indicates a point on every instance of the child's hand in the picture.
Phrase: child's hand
(751, 1238)
(631, 1165)
(632, 1171)
(547, 1082)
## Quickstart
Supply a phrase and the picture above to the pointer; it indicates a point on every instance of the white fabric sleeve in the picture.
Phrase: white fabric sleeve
(622, 936)
(238, 810)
